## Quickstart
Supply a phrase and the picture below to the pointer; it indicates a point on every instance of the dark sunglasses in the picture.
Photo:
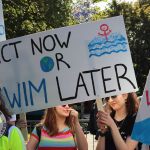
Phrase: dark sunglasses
(67, 104)
(112, 97)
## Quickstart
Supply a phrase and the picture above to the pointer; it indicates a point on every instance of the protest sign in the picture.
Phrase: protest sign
(141, 129)
(66, 65)
(2, 38)
(2, 27)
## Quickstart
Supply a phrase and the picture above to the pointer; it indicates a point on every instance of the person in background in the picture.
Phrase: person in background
(20, 123)
(115, 128)
(92, 125)
(12, 138)
(59, 130)
(12, 120)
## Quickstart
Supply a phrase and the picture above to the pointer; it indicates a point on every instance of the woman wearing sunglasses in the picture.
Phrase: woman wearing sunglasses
(115, 128)
(60, 130)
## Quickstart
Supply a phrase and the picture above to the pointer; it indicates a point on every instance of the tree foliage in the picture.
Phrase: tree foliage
(96, 1)
(82, 11)
(137, 22)
(29, 16)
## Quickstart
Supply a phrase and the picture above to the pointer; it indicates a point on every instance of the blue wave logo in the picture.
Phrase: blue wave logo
(115, 43)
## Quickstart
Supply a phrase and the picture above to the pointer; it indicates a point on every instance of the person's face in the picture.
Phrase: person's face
(117, 102)
(63, 110)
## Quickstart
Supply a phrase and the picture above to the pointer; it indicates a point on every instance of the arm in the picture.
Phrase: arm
(101, 143)
(80, 137)
(32, 143)
(34, 140)
(101, 139)
(129, 144)
(120, 144)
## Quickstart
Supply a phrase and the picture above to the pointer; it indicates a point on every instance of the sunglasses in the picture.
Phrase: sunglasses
(112, 97)
(66, 105)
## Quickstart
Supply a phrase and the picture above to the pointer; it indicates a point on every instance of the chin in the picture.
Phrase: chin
(66, 114)
(115, 108)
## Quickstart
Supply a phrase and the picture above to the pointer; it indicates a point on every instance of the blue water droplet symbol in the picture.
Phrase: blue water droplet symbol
(47, 64)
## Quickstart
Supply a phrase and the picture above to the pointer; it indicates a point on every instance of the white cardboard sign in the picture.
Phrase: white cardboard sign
(66, 65)
(141, 130)
(2, 26)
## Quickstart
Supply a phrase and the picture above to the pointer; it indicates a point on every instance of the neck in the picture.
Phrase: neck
(61, 123)
(120, 114)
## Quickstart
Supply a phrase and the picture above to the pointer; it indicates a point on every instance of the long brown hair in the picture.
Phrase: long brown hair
(49, 121)
(132, 103)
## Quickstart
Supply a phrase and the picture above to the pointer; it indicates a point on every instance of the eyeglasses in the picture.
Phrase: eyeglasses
(112, 97)
(66, 105)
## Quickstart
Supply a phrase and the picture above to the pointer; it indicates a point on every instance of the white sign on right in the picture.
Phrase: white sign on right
(2, 27)
(141, 130)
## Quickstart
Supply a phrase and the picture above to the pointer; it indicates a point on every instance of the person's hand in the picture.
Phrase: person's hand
(104, 119)
(21, 123)
(74, 116)
(102, 127)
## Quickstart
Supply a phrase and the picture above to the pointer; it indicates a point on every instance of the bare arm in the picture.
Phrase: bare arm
(80, 137)
(129, 144)
(120, 144)
(32, 143)
(101, 143)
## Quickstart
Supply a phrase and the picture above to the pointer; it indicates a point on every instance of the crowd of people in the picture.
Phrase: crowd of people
(11, 137)
(59, 129)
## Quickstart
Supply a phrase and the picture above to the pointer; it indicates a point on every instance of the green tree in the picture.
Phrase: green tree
(29, 16)
(137, 22)
(96, 1)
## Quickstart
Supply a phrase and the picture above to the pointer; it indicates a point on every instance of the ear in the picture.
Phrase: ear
(125, 96)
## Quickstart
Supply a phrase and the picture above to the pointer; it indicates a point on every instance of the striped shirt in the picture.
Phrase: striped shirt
(62, 141)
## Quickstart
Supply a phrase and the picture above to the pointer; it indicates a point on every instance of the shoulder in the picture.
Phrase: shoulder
(131, 118)
(36, 133)
(66, 129)
(133, 115)
(14, 129)
(129, 123)
(10, 129)
(65, 132)
(15, 132)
